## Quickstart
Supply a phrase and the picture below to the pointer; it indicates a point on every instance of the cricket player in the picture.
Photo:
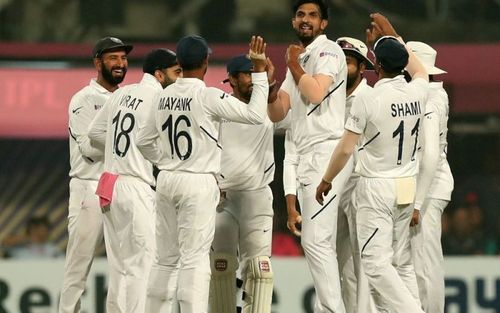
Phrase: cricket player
(314, 91)
(388, 120)
(244, 217)
(187, 120)
(434, 187)
(125, 186)
(355, 287)
(85, 226)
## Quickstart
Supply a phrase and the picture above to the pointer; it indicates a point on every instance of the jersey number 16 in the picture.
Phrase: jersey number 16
(175, 135)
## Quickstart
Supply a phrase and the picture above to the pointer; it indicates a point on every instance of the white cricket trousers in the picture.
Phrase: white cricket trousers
(383, 230)
(428, 256)
(130, 240)
(319, 225)
(356, 290)
(345, 233)
(244, 223)
(85, 232)
(185, 225)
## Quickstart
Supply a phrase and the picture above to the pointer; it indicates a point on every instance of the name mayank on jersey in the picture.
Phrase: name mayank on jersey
(175, 104)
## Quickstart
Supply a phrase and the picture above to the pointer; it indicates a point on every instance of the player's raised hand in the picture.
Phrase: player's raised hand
(379, 26)
(292, 53)
(322, 190)
(257, 53)
(270, 71)
(293, 222)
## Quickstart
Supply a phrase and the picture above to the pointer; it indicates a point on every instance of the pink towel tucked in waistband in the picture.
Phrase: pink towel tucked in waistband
(105, 188)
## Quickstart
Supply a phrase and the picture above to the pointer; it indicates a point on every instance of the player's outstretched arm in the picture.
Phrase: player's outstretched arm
(430, 156)
(147, 135)
(340, 156)
(290, 164)
(98, 127)
(379, 27)
(230, 108)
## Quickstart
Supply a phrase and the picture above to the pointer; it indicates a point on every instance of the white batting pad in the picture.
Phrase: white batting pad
(223, 283)
(258, 290)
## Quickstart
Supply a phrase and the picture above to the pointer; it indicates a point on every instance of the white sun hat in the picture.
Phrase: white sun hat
(427, 55)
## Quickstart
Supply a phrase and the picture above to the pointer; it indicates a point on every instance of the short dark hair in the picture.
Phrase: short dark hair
(391, 55)
(322, 4)
(192, 51)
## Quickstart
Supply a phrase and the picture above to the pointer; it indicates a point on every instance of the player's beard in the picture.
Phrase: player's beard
(306, 36)
(108, 75)
(352, 78)
(245, 93)
(168, 81)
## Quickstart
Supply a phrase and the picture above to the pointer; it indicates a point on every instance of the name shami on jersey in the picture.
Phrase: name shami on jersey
(406, 109)
(175, 104)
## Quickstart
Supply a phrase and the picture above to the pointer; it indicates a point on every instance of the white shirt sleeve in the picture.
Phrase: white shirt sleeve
(328, 60)
(430, 153)
(222, 105)
(99, 125)
(290, 164)
(79, 119)
(285, 123)
(422, 87)
(356, 121)
(147, 135)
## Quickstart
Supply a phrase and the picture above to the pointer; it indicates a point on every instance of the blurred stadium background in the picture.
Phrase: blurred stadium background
(45, 58)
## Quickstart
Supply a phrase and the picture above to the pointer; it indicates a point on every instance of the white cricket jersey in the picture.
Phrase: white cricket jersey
(187, 117)
(389, 117)
(437, 102)
(247, 161)
(361, 89)
(314, 123)
(117, 125)
(85, 159)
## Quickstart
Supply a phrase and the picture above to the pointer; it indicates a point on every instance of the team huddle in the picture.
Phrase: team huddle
(366, 166)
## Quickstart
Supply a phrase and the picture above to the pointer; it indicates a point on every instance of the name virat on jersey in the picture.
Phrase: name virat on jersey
(406, 109)
(175, 104)
(130, 103)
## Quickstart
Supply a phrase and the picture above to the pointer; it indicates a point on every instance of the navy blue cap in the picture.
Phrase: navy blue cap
(108, 44)
(158, 59)
(238, 64)
(192, 50)
(391, 54)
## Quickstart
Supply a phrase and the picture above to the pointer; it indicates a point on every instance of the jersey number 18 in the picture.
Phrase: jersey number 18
(126, 125)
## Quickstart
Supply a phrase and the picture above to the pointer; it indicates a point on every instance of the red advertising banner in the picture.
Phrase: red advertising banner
(34, 103)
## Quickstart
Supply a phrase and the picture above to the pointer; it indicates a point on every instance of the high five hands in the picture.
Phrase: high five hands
(257, 53)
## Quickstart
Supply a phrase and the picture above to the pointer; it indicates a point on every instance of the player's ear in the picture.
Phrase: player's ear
(233, 80)
(323, 24)
(159, 74)
(98, 64)
(362, 67)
